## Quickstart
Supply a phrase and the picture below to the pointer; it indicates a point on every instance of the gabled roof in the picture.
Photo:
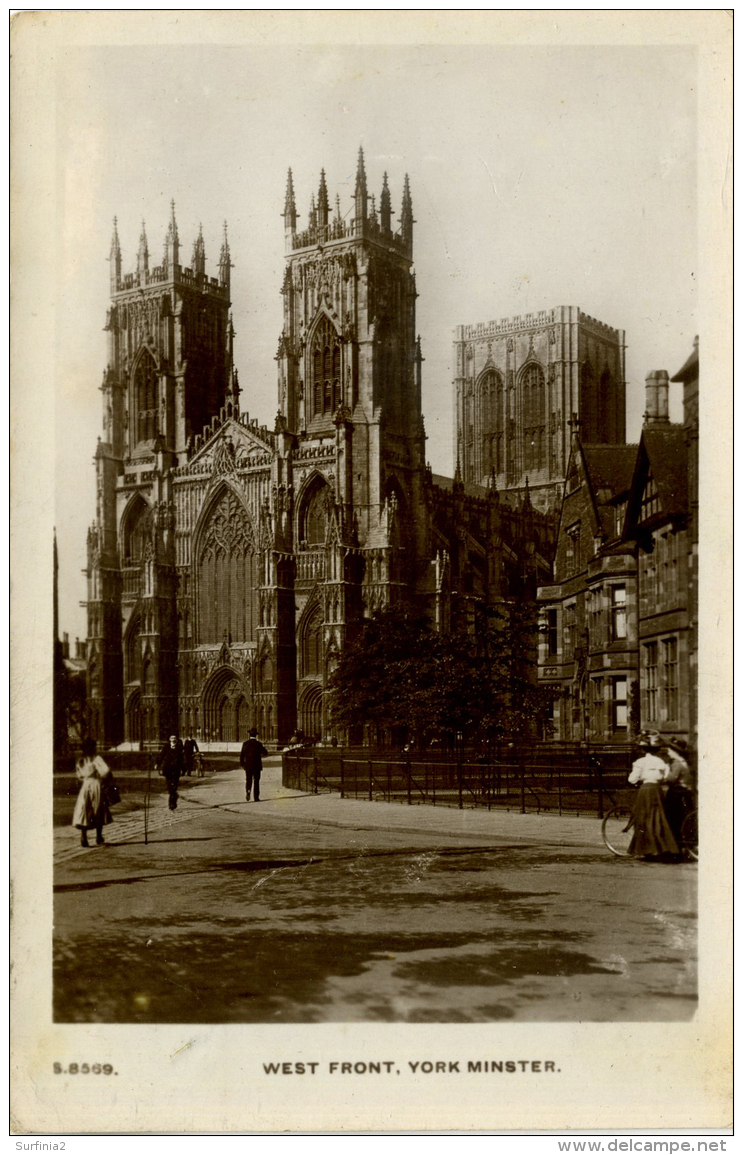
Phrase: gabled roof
(605, 467)
(690, 368)
(610, 466)
(666, 451)
(662, 454)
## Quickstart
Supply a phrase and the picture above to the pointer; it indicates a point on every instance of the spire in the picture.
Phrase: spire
(406, 216)
(373, 213)
(115, 258)
(458, 472)
(172, 245)
(385, 208)
(360, 193)
(323, 204)
(290, 207)
(143, 256)
(312, 213)
(198, 259)
(225, 264)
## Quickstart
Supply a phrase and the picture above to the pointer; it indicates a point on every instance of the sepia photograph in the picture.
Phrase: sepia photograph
(369, 550)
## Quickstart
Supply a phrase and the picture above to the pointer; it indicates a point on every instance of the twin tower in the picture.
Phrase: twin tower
(229, 562)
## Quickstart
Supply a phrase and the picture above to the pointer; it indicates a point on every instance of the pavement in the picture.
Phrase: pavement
(305, 908)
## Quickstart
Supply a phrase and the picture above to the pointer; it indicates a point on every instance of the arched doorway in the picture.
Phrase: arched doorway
(134, 717)
(310, 711)
(224, 707)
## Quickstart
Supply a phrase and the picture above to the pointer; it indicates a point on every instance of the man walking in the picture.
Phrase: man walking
(170, 766)
(251, 760)
(190, 749)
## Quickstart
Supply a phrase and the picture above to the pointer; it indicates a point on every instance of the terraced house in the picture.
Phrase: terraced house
(618, 636)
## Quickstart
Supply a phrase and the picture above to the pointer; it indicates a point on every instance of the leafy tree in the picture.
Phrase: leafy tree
(400, 675)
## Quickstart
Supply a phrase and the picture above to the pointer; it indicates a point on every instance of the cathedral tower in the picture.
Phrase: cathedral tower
(348, 351)
(169, 371)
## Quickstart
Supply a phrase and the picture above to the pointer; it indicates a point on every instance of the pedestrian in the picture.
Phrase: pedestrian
(653, 836)
(190, 749)
(170, 767)
(251, 760)
(91, 808)
(679, 800)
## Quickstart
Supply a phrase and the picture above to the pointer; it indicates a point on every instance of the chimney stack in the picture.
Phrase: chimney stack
(656, 398)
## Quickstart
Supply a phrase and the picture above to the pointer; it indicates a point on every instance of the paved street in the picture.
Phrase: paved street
(315, 908)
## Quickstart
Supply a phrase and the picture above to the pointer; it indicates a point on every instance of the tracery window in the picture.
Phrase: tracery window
(314, 522)
(326, 369)
(227, 575)
(312, 645)
(146, 398)
(533, 418)
(490, 413)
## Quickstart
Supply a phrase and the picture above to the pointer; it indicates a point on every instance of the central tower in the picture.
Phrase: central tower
(349, 361)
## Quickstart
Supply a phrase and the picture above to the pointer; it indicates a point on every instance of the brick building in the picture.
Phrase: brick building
(228, 563)
(618, 636)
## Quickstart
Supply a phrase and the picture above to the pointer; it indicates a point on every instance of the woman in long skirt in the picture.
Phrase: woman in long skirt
(653, 836)
(91, 809)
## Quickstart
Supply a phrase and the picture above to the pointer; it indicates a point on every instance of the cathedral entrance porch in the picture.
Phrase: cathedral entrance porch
(226, 712)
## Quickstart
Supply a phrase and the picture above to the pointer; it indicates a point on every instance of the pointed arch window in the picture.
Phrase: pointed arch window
(314, 523)
(312, 645)
(490, 408)
(588, 405)
(137, 531)
(146, 398)
(227, 576)
(533, 410)
(326, 369)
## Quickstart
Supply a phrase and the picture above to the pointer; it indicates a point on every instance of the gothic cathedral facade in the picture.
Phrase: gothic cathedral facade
(228, 563)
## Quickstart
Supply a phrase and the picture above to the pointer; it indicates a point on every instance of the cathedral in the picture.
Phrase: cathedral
(228, 563)
(521, 383)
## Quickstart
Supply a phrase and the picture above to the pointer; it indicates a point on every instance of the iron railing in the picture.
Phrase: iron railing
(543, 778)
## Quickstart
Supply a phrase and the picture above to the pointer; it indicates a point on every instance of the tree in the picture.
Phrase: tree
(400, 676)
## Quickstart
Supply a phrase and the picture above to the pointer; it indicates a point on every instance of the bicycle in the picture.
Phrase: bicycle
(616, 831)
(690, 836)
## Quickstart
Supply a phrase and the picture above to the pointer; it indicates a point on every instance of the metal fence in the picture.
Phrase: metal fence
(544, 778)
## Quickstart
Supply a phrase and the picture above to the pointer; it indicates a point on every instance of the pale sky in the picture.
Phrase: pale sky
(540, 176)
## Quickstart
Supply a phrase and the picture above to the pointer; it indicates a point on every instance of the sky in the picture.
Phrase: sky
(540, 176)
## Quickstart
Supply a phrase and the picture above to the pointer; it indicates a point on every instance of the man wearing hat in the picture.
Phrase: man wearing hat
(251, 760)
(170, 766)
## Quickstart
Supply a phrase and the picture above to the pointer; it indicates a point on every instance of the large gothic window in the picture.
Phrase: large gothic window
(490, 420)
(146, 398)
(136, 529)
(313, 526)
(312, 645)
(326, 369)
(227, 575)
(588, 405)
(533, 410)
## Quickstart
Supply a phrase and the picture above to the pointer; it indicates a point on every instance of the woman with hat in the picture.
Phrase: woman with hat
(91, 809)
(679, 800)
(653, 836)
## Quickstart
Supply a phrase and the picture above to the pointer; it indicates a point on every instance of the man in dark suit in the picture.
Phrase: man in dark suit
(190, 749)
(170, 766)
(251, 760)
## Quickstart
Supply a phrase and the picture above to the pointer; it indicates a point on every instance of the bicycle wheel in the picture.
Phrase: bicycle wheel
(689, 836)
(616, 831)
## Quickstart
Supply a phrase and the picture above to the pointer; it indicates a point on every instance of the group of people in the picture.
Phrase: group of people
(177, 759)
(665, 796)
